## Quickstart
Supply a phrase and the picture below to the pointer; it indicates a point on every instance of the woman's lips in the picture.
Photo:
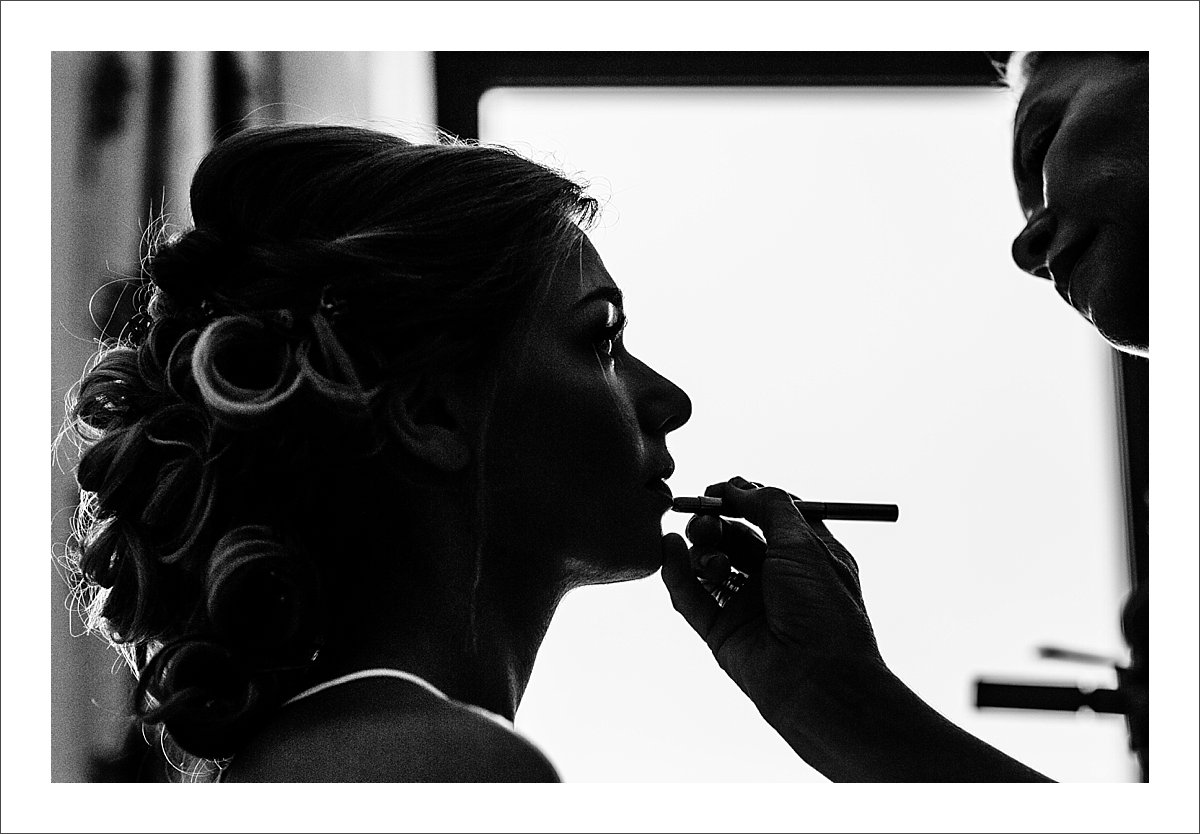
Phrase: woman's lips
(660, 487)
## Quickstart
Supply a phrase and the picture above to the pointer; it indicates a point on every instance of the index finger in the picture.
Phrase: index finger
(771, 510)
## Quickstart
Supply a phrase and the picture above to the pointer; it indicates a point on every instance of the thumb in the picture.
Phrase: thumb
(688, 596)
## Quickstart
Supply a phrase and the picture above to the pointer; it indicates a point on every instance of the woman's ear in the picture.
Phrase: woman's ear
(429, 419)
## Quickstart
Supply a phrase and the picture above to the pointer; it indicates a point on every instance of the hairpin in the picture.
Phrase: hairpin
(331, 306)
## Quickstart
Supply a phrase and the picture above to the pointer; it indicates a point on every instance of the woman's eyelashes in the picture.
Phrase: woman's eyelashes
(609, 341)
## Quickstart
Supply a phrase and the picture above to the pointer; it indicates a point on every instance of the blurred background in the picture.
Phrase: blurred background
(845, 215)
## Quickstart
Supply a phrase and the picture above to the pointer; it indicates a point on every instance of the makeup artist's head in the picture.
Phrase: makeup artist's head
(1081, 162)
(363, 347)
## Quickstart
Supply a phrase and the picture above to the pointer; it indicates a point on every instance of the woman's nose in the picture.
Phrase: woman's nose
(663, 406)
(1029, 249)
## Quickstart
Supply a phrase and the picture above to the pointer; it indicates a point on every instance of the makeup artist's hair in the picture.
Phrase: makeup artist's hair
(1022, 67)
(236, 436)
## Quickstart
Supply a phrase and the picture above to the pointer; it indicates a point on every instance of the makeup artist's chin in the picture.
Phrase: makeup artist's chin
(1102, 292)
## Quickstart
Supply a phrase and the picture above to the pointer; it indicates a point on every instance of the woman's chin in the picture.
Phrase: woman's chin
(628, 574)
(649, 568)
(635, 561)
(648, 559)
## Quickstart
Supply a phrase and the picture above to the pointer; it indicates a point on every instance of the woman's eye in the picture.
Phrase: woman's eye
(1035, 151)
(610, 338)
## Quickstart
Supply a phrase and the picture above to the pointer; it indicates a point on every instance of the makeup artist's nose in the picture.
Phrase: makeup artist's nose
(1029, 249)
(662, 406)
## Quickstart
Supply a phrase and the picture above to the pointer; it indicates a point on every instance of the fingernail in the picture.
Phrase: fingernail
(714, 564)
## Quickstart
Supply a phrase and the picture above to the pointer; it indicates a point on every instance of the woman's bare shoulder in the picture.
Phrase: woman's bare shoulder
(387, 731)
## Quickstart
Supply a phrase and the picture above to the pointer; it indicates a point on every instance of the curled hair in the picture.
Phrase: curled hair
(237, 438)
(241, 393)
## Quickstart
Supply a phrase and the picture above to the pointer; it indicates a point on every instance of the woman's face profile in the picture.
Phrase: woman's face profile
(577, 452)
(1080, 160)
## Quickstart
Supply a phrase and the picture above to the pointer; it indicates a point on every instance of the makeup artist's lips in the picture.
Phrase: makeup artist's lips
(1062, 267)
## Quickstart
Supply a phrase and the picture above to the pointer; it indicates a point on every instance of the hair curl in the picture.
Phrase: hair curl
(326, 264)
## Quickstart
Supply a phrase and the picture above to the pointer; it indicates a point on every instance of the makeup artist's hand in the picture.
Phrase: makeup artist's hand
(797, 633)
(797, 640)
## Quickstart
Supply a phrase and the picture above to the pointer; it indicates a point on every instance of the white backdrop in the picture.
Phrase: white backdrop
(859, 238)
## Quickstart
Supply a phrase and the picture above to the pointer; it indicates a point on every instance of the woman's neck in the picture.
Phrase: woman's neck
(488, 666)
(471, 633)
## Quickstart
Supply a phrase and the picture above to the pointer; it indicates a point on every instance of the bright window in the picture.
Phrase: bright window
(826, 272)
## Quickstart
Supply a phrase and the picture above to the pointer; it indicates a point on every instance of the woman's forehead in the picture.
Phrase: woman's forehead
(590, 271)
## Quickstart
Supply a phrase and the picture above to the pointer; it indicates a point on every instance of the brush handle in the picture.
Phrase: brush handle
(824, 510)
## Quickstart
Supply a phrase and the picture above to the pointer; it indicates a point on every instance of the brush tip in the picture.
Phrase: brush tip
(703, 504)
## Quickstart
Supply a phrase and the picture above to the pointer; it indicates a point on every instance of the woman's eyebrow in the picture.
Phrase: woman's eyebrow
(605, 293)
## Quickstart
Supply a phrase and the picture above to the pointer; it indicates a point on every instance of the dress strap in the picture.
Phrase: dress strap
(368, 673)
(383, 673)
(402, 675)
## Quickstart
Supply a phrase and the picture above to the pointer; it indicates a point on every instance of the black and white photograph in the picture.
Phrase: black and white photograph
(692, 421)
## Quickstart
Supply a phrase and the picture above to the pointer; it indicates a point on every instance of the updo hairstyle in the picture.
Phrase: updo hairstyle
(226, 439)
